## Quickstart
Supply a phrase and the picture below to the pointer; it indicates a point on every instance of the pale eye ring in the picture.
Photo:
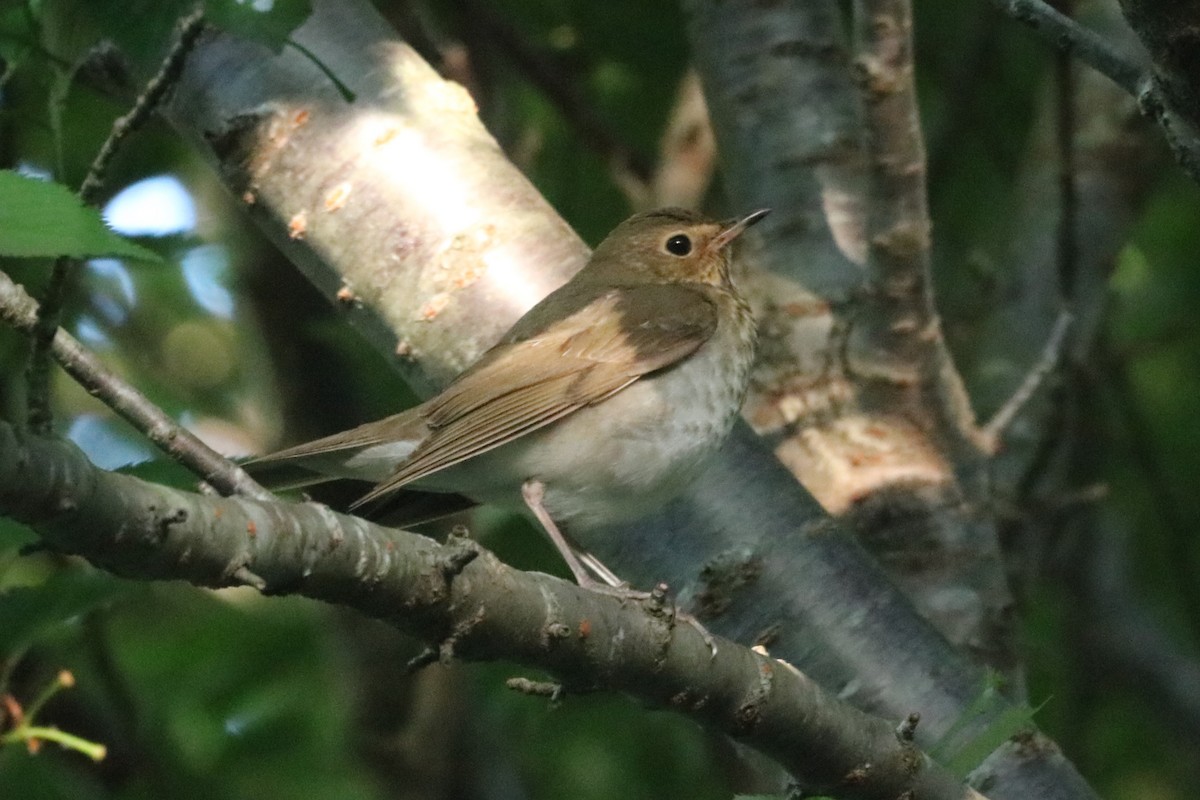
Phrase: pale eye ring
(679, 245)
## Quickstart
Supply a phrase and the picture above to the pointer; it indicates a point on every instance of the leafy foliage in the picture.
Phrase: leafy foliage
(271, 24)
(43, 219)
(29, 612)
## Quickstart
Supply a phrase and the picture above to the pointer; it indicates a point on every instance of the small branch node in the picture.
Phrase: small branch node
(549, 689)
(749, 713)
(456, 554)
(556, 630)
(460, 631)
(244, 576)
(857, 776)
(421, 660)
(908, 728)
(1149, 99)
(656, 602)
(164, 522)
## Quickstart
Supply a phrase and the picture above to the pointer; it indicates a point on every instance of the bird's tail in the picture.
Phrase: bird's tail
(369, 452)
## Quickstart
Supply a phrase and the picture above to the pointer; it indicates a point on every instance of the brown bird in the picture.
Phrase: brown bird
(598, 406)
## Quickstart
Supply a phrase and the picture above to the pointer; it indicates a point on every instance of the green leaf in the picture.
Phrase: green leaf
(44, 219)
(272, 27)
(988, 722)
(13, 536)
(269, 22)
(17, 40)
(26, 612)
(1009, 723)
(162, 472)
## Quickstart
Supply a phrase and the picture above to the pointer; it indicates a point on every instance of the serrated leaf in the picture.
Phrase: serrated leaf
(270, 26)
(27, 612)
(40, 219)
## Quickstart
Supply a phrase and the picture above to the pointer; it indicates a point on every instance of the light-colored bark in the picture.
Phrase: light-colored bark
(854, 382)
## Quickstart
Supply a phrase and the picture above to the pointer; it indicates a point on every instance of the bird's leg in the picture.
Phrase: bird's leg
(579, 561)
(532, 492)
(599, 569)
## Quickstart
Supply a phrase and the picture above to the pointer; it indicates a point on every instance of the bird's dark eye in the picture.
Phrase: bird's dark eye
(679, 245)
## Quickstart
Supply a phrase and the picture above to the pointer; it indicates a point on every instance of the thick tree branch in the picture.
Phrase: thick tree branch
(464, 601)
(905, 357)
(788, 118)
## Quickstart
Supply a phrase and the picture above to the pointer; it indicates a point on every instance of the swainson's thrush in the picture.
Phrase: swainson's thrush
(598, 406)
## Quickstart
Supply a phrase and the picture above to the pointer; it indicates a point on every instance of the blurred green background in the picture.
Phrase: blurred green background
(230, 695)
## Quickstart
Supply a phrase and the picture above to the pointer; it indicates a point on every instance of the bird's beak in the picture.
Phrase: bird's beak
(734, 229)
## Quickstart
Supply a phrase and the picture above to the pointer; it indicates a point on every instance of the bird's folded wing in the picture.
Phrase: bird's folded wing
(617, 337)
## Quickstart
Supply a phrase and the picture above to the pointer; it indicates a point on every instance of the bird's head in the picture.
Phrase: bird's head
(670, 245)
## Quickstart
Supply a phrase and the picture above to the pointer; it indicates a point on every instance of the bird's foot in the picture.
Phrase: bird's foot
(657, 603)
(622, 591)
(584, 566)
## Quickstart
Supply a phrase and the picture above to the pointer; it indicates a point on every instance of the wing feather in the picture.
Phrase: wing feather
(540, 376)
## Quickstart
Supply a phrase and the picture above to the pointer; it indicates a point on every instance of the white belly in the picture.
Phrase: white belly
(626, 456)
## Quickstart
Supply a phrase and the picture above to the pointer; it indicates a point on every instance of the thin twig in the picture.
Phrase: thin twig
(39, 414)
(1088, 46)
(1131, 74)
(1066, 255)
(20, 310)
(189, 29)
(65, 269)
(994, 430)
(1125, 639)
